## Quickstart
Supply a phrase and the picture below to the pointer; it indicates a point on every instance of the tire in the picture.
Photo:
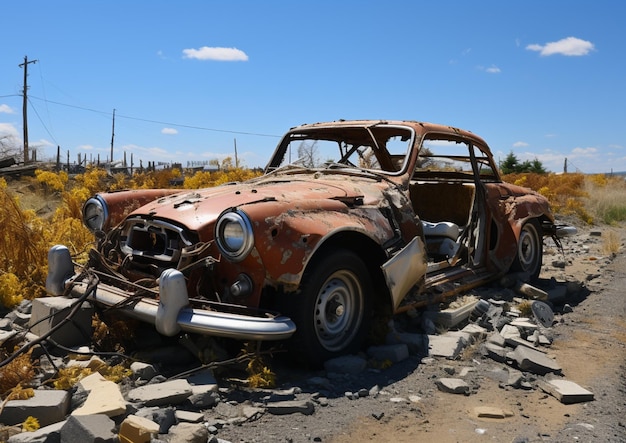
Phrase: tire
(332, 310)
(529, 255)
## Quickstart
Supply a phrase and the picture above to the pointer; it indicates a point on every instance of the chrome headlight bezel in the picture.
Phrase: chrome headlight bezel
(95, 214)
(234, 235)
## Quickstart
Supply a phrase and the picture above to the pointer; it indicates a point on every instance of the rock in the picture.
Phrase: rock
(453, 386)
(48, 312)
(95, 428)
(305, 407)
(47, 434)
(492, 412)
(158, 394)
(104, 397)
(135, 429)
(48, 406)
(567, 392)
(143, 371)
(447, 345)
(188, 433)
(533, 361)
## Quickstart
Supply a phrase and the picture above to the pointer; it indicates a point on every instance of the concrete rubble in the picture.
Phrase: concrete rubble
(198, 407)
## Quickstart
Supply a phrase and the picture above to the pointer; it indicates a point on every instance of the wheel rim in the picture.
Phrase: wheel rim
(338, 310)
(528, 248)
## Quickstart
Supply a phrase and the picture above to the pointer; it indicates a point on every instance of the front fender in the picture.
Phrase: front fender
(286, 243)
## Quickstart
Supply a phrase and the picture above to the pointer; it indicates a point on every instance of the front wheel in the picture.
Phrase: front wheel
(529, 253)
(332, 308)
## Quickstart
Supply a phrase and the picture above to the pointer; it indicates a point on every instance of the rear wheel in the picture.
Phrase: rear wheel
(332, 310)
(529, 254)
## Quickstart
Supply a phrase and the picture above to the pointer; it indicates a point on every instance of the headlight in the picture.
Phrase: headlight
(233, 233)
(95, 214)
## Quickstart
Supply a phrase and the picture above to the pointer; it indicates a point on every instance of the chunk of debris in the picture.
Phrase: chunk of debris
(453, 386)
(543, 313)
(533, 361)
(492, 412)
(567, 392)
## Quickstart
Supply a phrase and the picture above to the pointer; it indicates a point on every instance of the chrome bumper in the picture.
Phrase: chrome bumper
(171, 313)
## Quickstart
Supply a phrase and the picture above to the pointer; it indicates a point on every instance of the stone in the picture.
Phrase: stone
(143, 371)
(533, 361)
(567, 392)
(492, 412)
(164, 417)
(47, 434)
(47, 405)
(159, 394)
(305, 407)
(189, 416)
(48, 312)
(95, 428)
(495, 352)
(188, 433)
(135, 429)
(453, 386)
(104, 397)
(446, 345)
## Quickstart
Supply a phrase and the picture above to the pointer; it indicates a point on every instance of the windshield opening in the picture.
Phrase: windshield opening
(376, 148)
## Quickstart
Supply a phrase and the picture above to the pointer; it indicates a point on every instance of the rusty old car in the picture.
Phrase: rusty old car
(350, 222)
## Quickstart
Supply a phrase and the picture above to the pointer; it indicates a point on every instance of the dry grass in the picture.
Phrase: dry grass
(606, 198)
(611, 242)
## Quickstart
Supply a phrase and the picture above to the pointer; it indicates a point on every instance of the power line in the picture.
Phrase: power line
(128, 117)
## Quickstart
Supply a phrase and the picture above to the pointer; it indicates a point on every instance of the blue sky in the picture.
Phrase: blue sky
(190, 79)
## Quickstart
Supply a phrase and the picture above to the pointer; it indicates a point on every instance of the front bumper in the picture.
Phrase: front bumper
(171, 313)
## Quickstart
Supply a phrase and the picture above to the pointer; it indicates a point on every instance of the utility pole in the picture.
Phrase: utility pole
(236, 159)
(24, 106)
(112, 136)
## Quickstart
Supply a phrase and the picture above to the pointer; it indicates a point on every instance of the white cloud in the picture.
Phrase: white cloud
(6, 109)
(8, 130)
(570, 46)
(584, 152)
(493, 69)
(169, 131)
(520, 144)
(216, 53)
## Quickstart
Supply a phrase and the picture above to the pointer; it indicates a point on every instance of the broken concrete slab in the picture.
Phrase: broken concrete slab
(47, 405)
(48, 312)
(446, 345)
(495, 352)
(451, 317)
(159, 394)
(492, 412)
(50, 433)
(104, 397)
(567, 392)
(533, 361)
(136, 429)
(98, 428)
(453, 386)
(305, 407)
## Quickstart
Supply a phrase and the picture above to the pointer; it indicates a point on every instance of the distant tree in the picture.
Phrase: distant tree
(307, 154)
(511, 164)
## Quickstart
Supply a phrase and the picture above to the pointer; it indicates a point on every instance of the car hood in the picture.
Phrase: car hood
(197, 208)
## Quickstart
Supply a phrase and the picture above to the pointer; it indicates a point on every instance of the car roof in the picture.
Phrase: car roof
(419, 127)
